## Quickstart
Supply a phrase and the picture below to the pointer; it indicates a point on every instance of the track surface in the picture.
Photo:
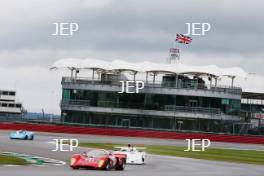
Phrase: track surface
(156, 165)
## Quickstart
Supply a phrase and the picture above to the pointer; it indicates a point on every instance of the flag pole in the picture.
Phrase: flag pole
(178, 58)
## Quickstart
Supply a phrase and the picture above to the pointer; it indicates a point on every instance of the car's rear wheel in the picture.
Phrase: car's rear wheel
(26, 137)
(108, 165)
(121, 164)
(32, 138)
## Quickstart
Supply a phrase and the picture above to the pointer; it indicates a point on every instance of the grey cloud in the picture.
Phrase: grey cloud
(145, 25)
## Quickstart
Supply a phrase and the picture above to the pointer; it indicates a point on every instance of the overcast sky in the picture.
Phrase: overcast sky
(123, 29)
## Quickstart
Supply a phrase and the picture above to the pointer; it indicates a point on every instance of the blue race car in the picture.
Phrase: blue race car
(22, 134)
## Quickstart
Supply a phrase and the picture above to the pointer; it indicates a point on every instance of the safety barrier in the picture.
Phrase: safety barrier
(130, 133)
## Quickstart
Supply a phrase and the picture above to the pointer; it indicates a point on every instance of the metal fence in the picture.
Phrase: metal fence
(236, 128)
(29, 118)
(203, 110)
(157, 84)
(174, 108)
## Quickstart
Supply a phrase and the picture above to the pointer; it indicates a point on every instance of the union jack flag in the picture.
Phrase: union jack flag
(183, 39)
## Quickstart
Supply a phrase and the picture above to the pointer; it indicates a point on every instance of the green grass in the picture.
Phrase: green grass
(4, 160)
(229, 155)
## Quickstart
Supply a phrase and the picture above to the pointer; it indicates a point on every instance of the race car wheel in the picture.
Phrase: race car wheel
(26, 137)
(108, 165)
(32, 138)
(143, 160)
(121, 165)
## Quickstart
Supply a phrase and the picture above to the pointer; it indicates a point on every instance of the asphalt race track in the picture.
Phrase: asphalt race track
(156, 165)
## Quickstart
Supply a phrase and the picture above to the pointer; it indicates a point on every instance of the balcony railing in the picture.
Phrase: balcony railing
(170, 85)
(193, 109)
(174, 108)
(76, 102)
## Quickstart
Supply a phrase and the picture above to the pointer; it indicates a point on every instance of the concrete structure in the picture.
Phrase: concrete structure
(174, 97)
(8, 103)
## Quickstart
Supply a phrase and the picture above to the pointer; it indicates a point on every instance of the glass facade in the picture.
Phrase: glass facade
(249, 111)
(252, 108)
(147, 101)
(160, 102)
(147, 122)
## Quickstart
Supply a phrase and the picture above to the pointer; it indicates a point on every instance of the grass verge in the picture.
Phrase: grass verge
(229, 155)
(5, 160)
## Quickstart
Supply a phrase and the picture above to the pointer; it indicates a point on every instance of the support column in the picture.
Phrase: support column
(134, 76)
(154, 77)
(176, 80)
(199, 124)
(152, 123)
(232, 83)
(98, 74)
(93, 74)
(146, 77)
(215, 81)
(210, 81)
(71, 73)
(76, 73)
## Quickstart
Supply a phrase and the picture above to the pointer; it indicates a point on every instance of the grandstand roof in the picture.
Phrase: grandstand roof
(146, 66)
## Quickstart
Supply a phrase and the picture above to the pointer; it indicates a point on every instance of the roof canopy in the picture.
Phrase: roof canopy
(146, 66)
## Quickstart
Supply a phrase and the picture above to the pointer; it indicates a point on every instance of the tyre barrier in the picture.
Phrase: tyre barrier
(131, 133)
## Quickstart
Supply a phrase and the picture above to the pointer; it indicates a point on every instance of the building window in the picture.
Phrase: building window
(66, 95)
(18, 105)
(12, 93)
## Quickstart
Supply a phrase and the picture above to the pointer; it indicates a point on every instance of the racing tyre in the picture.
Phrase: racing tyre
(121, 165)
(26, 137)
(32, 138)
(108, 166)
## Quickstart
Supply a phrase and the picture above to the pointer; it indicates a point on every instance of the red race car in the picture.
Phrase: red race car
(98, 159)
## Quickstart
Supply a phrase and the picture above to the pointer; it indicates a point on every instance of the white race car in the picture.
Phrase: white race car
(135, 155)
